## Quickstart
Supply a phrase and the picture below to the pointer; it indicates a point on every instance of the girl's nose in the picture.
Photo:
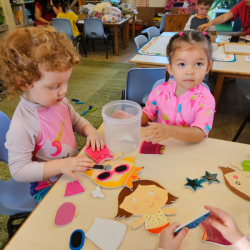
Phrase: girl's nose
(63, 90)
(190, 71)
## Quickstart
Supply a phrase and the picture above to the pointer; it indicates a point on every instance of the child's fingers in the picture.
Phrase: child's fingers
(71, 174)
(87, 143)
(220, 213)
(182, 234)
(93, 144)
(79, 168)
(98, 144)
(220, 227)
(84, 164)
(102, 141)
(82, 158)
(173, 226)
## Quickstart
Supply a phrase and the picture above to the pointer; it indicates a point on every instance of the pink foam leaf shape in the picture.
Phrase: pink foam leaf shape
(65, 214)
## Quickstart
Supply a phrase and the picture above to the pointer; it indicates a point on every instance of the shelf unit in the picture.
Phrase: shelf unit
(9, 22)
(84, 2)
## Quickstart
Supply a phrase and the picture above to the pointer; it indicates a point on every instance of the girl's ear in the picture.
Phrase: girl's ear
(209, 66)
(169, 69)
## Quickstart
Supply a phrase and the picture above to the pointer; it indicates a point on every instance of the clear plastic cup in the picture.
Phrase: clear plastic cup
(122, 135)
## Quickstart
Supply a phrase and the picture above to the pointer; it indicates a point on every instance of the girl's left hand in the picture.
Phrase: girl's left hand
(95, 140)
(158, 132)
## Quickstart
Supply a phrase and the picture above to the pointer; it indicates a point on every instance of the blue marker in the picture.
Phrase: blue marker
(90, 107)
(74, 100)
(79, 102)
(85, 112)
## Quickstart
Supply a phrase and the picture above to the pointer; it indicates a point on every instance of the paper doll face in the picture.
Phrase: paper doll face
(145, 200)
(239, 180)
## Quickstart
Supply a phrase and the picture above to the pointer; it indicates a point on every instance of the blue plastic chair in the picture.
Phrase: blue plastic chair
(161, 25)
(93, 28)
(15, 199)
(140, 81)
(152, 32)
(140, 41)
(64, 25)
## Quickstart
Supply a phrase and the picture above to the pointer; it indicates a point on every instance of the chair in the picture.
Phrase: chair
(140, 41)
(140, 82)
(64, 25)
(161, 25)
(15, 199)
(93, 28)
(247, 119)
(152, 32)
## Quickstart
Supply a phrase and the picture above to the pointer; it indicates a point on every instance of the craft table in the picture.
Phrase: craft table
(180, 160)
(125, 23)
(238, 69)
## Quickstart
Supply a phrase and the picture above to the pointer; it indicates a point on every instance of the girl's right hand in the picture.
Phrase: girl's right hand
(121, 115)
(72, 164)
(225, 223)
(204, 27)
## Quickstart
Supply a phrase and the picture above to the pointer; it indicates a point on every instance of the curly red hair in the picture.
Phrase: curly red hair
(22, 52)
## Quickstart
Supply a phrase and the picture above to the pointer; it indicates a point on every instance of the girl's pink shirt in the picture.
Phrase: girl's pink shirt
(195, 108)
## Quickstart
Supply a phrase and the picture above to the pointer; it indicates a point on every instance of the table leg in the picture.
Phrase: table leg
(133, 28)
(127, 35)
(116, 41)
(218, 87)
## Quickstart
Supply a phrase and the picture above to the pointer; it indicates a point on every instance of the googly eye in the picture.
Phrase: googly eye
(151, 193)
(237, 183)
(134, 200)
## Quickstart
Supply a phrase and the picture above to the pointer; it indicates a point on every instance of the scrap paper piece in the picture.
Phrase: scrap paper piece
(148, 148)
(65, 214)
(97, 193)
(153, 215)
(237, 181)
(73, 188)
(99, 156)
(212, 235)
(193, 184)
(193, 223)
(77, 240)
(106, 234)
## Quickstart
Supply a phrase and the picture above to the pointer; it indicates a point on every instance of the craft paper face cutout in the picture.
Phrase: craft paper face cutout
(77, 240)
(212, 235)
(106, 234)
(117, 177)
(73, 188)
(65, 214)
(99, 156)
(193, 223)
(237, 181)
(148, 148)
(146, 200)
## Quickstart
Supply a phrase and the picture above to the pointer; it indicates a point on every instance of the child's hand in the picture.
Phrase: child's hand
(72, 164)
(95, 140)
(158, 132)
(204, 27)
(121, 115)
(167, 239)
(225, 223)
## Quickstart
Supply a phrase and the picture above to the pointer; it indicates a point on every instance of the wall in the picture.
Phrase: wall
(152, 3)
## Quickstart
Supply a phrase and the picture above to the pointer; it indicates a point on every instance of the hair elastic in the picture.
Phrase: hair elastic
(204, 33)
(181, 33)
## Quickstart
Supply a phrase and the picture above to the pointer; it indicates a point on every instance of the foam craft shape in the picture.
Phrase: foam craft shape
(236, 165)
(99, 156)
(237, 181)
(193, 184)
(146, 200)
(117, 180)
(65, 214)
(212, 235)
(106, 234)
(148, 148)
(210, 178)
(73, 188)
(77, 240)
(246, 166)
(193, 223)
(97, 193)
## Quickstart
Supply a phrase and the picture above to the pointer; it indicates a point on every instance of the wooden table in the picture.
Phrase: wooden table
(125, 23)
(238, 69)
(180, 160)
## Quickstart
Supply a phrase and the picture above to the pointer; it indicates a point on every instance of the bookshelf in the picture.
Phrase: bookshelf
(9, 22)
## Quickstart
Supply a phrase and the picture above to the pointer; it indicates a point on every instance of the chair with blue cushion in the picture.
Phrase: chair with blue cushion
(140, 41)
(152, 32)
(140, 82)
(64, 25)
(161, 25)
(93, 28)
(15, 199)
